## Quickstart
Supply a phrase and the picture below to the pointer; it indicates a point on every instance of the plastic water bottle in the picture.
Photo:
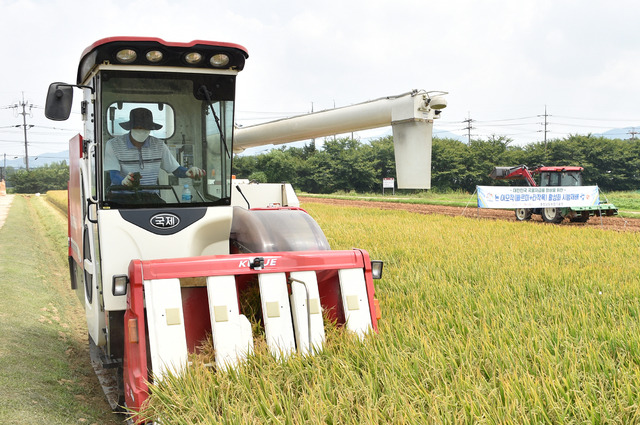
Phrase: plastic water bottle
(186, 194)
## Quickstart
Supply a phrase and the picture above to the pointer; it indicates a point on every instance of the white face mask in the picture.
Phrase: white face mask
(139, 135)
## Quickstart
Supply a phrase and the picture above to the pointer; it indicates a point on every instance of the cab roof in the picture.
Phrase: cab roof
(558, 169)
(164, 54)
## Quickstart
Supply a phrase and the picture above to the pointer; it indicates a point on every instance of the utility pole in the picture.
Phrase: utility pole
(24, 126)
(545, 127)
(633, 133)
(468, 128)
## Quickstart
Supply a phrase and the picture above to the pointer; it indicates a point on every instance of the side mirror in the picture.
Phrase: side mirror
(59, 100)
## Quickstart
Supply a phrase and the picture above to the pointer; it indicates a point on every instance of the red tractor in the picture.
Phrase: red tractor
(552, 176)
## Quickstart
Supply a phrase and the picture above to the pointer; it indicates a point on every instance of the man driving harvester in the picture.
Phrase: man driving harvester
(136, 158)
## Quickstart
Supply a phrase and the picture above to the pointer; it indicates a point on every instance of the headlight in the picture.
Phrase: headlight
(126, 55)
(219, 60)
(376, 269)
(119, 285)
(193, 58)
(154, 56)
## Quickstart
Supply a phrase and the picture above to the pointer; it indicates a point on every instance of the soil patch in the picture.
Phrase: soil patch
(615, 223)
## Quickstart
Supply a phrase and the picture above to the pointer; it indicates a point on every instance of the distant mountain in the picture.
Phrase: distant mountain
(444, 134)
(620, 133)
(36, 161)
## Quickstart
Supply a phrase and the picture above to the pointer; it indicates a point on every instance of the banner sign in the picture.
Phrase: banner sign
(388, 183)
(537, 197)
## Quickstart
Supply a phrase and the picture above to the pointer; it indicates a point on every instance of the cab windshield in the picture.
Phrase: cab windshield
(166, 139)
(565, 178)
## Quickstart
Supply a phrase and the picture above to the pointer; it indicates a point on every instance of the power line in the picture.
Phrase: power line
(509, 125)
(508, 119)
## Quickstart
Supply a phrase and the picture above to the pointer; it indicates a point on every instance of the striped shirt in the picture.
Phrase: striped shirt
(121, 155)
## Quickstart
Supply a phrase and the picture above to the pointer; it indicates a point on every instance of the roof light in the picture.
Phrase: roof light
(154, 56)
(219, 60)
(193, 58)
(126, 55)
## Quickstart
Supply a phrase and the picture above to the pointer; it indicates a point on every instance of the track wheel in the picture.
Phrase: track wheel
(552, 215)
(523, 214)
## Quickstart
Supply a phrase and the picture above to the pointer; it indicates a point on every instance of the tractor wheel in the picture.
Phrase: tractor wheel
(523, 214)
(552, 215)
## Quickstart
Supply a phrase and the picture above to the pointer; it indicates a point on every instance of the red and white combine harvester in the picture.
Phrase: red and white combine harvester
(553, 177)
(164, 245)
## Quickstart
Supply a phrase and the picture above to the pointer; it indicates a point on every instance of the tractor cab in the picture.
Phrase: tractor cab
(560, 176)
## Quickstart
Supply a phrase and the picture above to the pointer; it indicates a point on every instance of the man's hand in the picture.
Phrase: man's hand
(132, 179)
(128, 180)
(195, 173)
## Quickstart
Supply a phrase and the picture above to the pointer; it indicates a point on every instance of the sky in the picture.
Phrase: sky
(501, 62)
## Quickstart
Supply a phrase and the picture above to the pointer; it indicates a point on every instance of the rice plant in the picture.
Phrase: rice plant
(484, 322)
(58, 198)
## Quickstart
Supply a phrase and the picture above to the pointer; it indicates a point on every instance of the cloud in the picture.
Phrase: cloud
(498, 59)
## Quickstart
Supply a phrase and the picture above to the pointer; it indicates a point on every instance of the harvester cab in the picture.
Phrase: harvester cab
(163, 249)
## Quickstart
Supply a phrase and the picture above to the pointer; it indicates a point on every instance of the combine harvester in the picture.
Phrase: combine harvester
(161, 259)
(552, 177)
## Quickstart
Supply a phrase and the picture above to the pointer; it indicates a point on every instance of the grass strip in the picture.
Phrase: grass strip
(45, 374)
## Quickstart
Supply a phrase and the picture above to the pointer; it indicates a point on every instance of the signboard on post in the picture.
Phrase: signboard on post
(388, 182)
(537, 197)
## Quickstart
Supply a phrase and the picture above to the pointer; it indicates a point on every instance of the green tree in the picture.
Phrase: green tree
(612, 164)
(279, 166)
(244, 165)
(450, 165)
(351, 169)
(347, 164)
(316, 176)
(39, 180)
(258, 177)
(382, 157)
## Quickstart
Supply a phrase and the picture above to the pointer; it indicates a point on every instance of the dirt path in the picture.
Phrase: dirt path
(5, 205)
(606, 223)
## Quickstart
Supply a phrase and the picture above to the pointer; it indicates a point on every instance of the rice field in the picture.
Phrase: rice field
(58, 198)
(483, 322)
